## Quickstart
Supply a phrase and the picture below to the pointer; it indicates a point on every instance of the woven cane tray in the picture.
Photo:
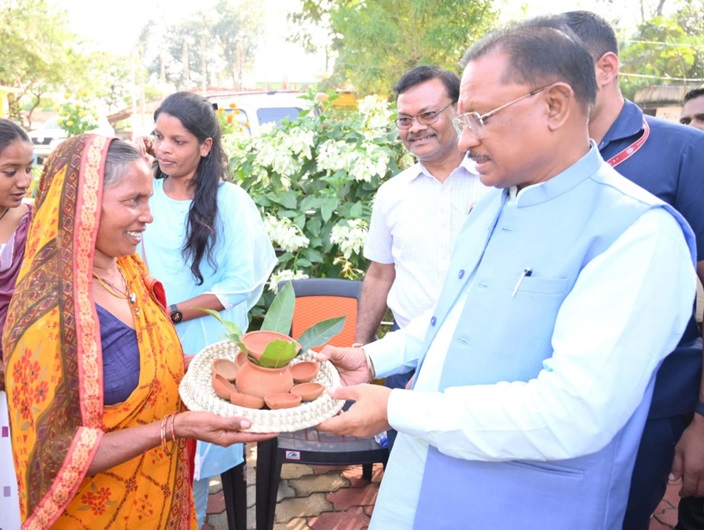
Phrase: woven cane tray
(197, 393)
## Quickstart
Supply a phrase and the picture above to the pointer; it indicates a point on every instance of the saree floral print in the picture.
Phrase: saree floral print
(54, 372)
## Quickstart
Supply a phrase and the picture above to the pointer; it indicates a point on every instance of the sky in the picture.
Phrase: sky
(116, 30)
(115, 26)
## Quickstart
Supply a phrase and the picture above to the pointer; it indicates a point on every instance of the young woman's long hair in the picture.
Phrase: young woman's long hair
(196, 114)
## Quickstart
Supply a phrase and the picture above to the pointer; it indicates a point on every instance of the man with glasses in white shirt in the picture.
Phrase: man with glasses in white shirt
(418, 213)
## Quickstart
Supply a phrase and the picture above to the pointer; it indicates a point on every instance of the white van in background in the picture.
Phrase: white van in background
(46, 138)
(257, 108)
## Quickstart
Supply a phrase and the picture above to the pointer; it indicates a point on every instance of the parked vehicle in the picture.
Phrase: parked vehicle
(46, 138)
(252, 109)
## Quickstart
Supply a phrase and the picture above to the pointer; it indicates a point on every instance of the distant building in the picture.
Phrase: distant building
(663, 101)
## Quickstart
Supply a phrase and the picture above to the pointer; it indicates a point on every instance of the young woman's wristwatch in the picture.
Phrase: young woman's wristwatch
(176, 315)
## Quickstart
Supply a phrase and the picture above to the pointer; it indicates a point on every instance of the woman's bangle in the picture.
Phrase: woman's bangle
(164, 423)
(370, 366)
(173, 429)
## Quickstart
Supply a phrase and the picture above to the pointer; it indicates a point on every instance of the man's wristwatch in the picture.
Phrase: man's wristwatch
(176, 315)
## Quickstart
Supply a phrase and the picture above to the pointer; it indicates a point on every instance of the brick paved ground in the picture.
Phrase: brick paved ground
(310, 498)
(338, 498)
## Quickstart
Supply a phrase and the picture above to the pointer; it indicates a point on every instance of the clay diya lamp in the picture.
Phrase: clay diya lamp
(248, 402)
(282, 401)
(225, 368)
(304, 371)
(308, 391)
(257, 341)
(259, 381)
(223, 388)
(240, 358)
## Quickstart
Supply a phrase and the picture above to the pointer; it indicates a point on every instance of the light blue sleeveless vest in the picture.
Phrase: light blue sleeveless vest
(555, 230)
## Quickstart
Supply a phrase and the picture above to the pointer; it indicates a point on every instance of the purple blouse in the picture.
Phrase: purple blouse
(10, 263)
(120, 358)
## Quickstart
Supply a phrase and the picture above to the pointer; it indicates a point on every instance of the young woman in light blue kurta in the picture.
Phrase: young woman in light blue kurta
(207, 244)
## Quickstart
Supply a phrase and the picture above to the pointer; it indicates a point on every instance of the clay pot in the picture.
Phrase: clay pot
(257, 341)
(304, 371)
(223, 388)
(225, 368)
(308, 391)
(240, 358)
(282, 401)
(258, 381)
(246, 401)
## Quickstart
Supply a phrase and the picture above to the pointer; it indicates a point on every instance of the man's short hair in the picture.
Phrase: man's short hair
(596, 33)
(541, 53)
(421, 74)
(694, 93)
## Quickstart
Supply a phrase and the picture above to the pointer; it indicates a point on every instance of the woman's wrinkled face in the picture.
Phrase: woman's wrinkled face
(125, 212)
(16, 162)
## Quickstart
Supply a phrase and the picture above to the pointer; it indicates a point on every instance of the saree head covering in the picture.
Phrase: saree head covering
(54, 369)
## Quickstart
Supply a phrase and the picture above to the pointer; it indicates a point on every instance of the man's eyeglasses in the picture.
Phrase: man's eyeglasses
(424, 118)
(475, 124)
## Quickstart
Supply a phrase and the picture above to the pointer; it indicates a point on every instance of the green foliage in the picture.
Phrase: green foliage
(661, 52)
(318, 334)
(237, 31)
(231, 127)
(277, 354)
(314, 180)
(232, 330)
(280, 314)
(40, 56)
(377, 42)
(35, 56)
(75, 116)
(215, 46)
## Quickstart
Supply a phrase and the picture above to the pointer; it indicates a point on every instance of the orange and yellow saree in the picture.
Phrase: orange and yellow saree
(54, 369)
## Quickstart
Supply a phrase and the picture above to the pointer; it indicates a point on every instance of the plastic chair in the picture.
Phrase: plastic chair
(316, 299)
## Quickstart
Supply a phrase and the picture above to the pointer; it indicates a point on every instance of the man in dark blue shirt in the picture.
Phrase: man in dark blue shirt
(666, 159)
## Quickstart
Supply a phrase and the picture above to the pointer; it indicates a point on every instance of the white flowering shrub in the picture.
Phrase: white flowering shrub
(284, 234)
(349, 235)
(314, 180)
(279, 276)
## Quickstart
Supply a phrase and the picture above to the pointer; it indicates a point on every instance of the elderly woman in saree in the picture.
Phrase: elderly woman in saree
(93, 362)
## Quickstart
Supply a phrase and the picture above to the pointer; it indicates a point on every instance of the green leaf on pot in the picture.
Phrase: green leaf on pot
(321, 332)
(278, 354)
(280, 314)
(232, 330)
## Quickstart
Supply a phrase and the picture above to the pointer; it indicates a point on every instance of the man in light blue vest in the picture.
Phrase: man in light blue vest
(567, 288)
